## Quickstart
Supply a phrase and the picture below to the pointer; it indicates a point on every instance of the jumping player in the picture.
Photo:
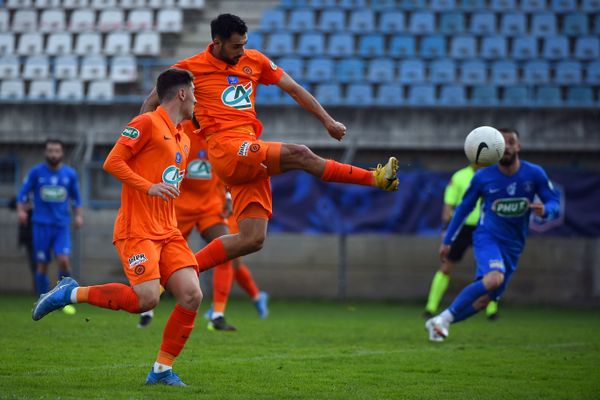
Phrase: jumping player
(507, 190)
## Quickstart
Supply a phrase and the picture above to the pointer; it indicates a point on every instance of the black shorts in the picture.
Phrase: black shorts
(461, 243)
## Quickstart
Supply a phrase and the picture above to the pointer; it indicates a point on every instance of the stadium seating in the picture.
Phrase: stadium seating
(587, 48)
(556, 48)
(484, 95)
(169, 20)
(361, 21)
(543, 24)
(9, 67)
(123, 69)
(294, 66)
(341, 45)
(311, 44)
(453, 95)
(88, 43)
(100, 91)
(93, 67)
(593, 73)
(433, 47)
(350, 70)
(517, 95)
(24, 20)
(381, 70)
(140, 20)
(536, 72)
(371, 45)
(463, 47)
(36, 67)
(504, 73)
(301, 21)
(329, 94)
(52, 20)
(513, 24)
(59, 43)
(12, 90)
(66, 67)
(422, 23)
(4, 16)
(493, 47)
(147, 43)
(548, 96)
(83, 20)
(280, 44)
(332, 21)
(389, 95)
(525, 48)
(359, 94)
(319, 70)
(392, 22)
(473, 72)
(483, 23)
(442, 71)
(117, 43)
(581, 96)
(402, 46)
(7, 43)
(30, 43)
(411, 71)
(452, 23)
(70, 90)
(42, 90)
(421, 95)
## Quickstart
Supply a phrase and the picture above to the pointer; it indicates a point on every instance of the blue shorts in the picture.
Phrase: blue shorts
(491, 256)
(50, 237)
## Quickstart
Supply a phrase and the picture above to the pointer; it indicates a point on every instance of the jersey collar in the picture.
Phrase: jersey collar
(222, 65)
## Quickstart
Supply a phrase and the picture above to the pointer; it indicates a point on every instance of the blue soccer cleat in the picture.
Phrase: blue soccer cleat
(55, 299)
(261, 305)
(208, 314)
(164, 378)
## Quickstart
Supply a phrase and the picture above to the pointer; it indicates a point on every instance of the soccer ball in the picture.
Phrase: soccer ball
(484, 146)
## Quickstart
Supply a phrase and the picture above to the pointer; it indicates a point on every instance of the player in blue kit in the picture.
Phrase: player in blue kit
(507, 190)
(54, 187)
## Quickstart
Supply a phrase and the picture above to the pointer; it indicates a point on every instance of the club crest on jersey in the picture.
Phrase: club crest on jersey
(137, 259)
(238, 96)
(178, 157)
(232, 80)
(244, 147)
(173, 175)
(512, 189)
(131, 133)
(199, 169)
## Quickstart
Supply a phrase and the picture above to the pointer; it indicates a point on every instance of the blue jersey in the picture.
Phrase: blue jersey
(505, 203)
(52, 190)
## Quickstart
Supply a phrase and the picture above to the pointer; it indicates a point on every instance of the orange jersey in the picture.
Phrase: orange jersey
(226, 93)
(201, 191)
(159, 154)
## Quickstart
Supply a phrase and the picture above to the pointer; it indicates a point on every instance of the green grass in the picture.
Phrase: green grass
(305, 350)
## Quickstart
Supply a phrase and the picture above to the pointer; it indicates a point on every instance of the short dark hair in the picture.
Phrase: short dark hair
(170, 80)
(226, 25)
(509, 130)
(54, 141)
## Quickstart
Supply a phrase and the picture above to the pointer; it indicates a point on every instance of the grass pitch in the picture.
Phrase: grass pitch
(305, 350)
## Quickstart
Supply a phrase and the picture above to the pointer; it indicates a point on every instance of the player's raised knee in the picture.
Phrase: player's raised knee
(493, 280)
(148, 302)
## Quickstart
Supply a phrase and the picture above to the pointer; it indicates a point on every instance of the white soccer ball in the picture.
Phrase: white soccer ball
(484, 146)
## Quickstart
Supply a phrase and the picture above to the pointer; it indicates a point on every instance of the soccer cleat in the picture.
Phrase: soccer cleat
(219, 324)
(69, 309)
(438, 330)
(208, 314)
(145, 320)
(427, 315)
(385, 176)
(261, 305)
(164, 378)
(493, 317)
(57, 298)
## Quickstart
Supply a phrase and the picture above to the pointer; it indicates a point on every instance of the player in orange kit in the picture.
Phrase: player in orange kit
(151, 248)
(226, 77)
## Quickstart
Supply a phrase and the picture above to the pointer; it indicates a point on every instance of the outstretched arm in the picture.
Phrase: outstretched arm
(336, 129)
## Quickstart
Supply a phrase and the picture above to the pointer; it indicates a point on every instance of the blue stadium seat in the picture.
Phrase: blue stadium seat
(268, 94)
(504, 73)
(525, 48)
(587, 48)
(518, 95)
(484, 95)
(535, 72)
(320, 70)
(332, 20)
(575, 24)
(392, 21)
(493, 47)
(556, 48)
(564, 6)
(580, 96)
(433, 46)
(294, 66)
(359, 94)
(352, 4)
(272, 20)
(453, 95)
(483, 23)
(422, 22)
(301, 21)
(463, 47)
(411, 71)
(513, 24)
(548, 96)
(311, 44)
(442, 71)
(329, 94)
(472, 5)
(361, 21)
(320, 4)
(287, 99)
(473, 72)
(533, 6)
(288, 4)
(593, 73)
(350, 70)
(543, 24)
(255, 41)
(597, 24)
(385, 5)
(503, 5)
(442, 5)
(412, 4)
(452, 23)
(421, 95)
(568, 73)
(381, 70)
(280, 43)
(389, 95)
(590, 5)
(341, 45)
(371, 45)
(402, 46)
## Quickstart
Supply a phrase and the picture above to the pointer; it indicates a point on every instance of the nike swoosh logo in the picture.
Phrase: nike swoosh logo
(168, 138)
(482, 146)
(350, 173)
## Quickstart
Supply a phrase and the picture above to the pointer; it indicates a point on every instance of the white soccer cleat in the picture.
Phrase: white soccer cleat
(437, 329)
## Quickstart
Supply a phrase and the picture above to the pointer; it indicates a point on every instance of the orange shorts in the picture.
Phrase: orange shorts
(146, 259)
(186, 223)
(245, 163)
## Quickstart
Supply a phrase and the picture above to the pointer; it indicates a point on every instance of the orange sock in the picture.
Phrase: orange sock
(211, 255)
(243, 277)
(176, 333)
(222, 279)
(114, 296)
(345, 173)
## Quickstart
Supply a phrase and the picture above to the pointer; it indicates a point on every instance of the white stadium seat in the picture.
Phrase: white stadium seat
(66, 67)
(160, 4)
(42, 90)
(71, 90)
(4, 26)
(59, 43)
(129, 4)
(170, 20)
(7, 43)
(36, 67)
(110, 20)
(88, 43)
(30, 43)
(117, 43)
(9, 67)
(52, 20)
(41, 4)
(191, 4)
(140, 20)
(19, 3)
(100, 4)
(24, 20)
(71, 4)
(93, 67)
(147, 43)
(83, 20)
(101, 91)
(13, 89)
(123, 69)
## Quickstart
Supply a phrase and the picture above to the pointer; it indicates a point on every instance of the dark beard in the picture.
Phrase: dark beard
(53, 163)
(506, 162)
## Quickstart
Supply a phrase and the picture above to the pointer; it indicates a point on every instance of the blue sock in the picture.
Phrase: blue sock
(462, 307)
(62, 274)
(41, 283)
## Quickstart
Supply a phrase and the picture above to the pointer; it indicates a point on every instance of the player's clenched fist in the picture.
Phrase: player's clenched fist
(163, 191)
(336, 130)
